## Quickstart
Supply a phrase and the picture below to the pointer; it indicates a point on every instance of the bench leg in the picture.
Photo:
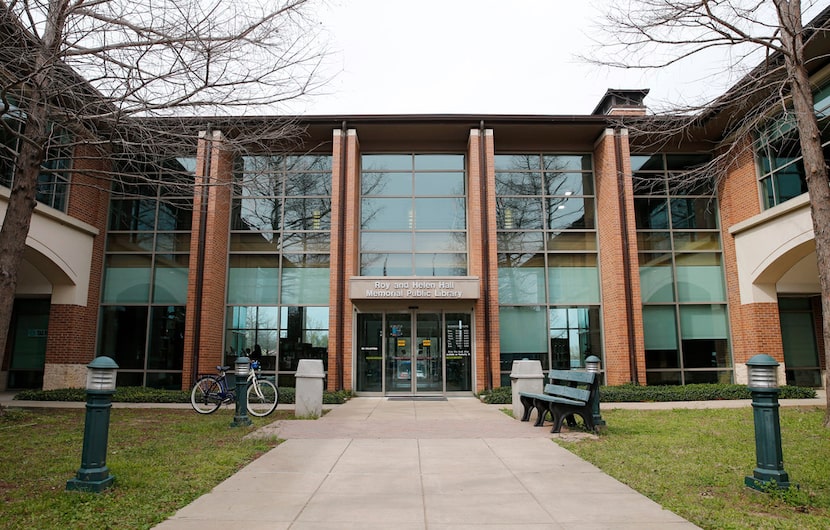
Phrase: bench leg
(527, 403)
(561, 414)
(541, 412)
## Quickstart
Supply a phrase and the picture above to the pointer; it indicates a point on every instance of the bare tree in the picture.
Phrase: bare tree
(650, 34)
(102, 73)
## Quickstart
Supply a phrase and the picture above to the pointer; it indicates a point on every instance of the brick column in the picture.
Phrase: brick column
(483, 257)
(214, 169)
(616, 293)
(345, 232)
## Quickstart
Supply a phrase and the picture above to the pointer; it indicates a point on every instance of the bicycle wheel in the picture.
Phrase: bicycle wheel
(262, 398)
(206, 395)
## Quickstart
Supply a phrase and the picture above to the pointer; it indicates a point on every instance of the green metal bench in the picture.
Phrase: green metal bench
(569, 393)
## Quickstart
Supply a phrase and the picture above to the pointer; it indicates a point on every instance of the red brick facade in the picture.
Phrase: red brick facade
(73, 327)
(754, 327)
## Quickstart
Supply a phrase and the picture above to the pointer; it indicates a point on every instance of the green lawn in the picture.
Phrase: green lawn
(693, 462)
(162, 460)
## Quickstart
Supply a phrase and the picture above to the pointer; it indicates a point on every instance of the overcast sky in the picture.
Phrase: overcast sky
(478, 56)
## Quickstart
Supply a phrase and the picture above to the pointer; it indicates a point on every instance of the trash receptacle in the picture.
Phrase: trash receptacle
(525, 376)
(308, 399)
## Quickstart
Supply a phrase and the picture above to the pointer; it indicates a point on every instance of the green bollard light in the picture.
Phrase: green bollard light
(242, 369)
(763, 384)
(93, 475)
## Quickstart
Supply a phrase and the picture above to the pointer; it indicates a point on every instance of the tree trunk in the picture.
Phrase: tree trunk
(32, 153)
(815, 167)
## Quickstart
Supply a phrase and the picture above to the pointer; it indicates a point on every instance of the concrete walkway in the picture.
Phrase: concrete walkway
(376, 463)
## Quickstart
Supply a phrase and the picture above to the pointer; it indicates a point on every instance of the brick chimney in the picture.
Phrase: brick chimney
(622, 102)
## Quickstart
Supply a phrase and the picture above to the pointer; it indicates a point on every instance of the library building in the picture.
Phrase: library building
(424, 254)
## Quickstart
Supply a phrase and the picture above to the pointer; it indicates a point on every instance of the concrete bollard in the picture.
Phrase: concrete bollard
(525, 376)
(308, 400)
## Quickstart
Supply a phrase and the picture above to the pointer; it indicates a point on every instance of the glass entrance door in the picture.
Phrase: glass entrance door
(429, 371)
(413, 352)
(399, 374)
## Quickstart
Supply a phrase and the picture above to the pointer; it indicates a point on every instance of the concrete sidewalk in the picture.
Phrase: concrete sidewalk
(376, 463)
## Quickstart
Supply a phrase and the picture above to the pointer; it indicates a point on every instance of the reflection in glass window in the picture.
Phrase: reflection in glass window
(146, 271)
(279, 263)
(778, 152)
(413, 215)
(547, 257)
(681, 274)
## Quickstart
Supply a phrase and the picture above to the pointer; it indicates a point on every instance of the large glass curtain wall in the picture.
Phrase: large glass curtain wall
(547, 250)
(685, 319)
(144, 290)
(278, 273)
(413, 215)
(778, 151)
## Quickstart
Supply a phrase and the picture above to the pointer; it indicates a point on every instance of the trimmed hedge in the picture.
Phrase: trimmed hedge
(697, 392)
(141, 394)
(126, 394)
(630, 393)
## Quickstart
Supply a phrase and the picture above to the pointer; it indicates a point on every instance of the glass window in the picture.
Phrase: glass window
(386, 162)
(681, 272)
(519, 213)
(127, 278)
(568, 184)
(651, 213)
(569, 212)
(522, 285)
(385, 264)
(439, 184)
(660, 330)
(387, 214)
(252, 279)
(573, 279)
(547, 244)
(440, 214)
(123, 335)
(146, 266)
(256, 214)
(778, 152)
(656, 278)
(440, 264)
(170, 279)
(413, 215)
(439, 162)
(574, 335)
(694, 213)
(700, 277)
(515, 183)
(167, 326)
(305, 285)
(440, 242)
(523, 329)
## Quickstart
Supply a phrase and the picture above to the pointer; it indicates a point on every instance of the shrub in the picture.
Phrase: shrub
(141, 394)
(637, 394)
(502, 395)
(126, 394)
(698, 392)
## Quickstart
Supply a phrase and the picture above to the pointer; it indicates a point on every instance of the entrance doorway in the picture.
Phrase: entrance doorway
(26, 343)
(414, 352)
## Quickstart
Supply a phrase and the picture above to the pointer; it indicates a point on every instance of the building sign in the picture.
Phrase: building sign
(415, 288)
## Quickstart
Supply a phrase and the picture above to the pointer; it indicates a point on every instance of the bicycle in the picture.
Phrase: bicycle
(212, 391)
